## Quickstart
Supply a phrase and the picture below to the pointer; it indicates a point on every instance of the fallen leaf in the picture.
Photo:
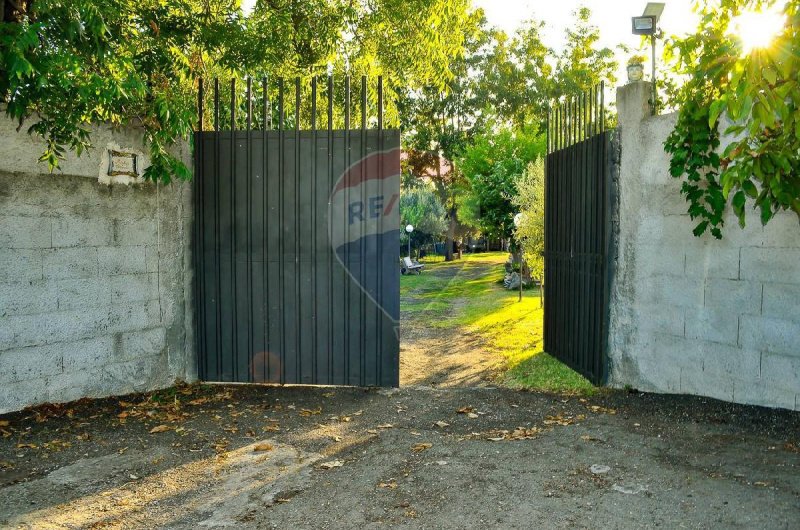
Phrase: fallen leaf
(418, 448)
(27, 446)
(372, 431)
(122, 415)
(271, 428)
(442, 424)
(160, 428)
(388, 485)
(358, 413)
(4, 423)
(198, 401)
(386, 426)
(597, 409)
(263, 447)
(471, 415)
(332, 464)
(465, 410)
(415, 433)
(308, 412)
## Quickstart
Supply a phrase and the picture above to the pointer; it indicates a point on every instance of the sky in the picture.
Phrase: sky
(612, 17)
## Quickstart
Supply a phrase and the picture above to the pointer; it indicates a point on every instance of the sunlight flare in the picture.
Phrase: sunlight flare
(757, 29)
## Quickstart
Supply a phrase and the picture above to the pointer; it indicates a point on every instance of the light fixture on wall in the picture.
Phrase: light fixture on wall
(647, 24)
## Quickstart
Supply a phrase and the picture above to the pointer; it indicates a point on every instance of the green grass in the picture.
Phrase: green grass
(475, 301)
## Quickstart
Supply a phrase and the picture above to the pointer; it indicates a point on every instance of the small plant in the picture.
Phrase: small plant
(636, 60)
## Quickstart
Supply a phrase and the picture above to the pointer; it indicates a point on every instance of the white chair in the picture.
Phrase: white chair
(410, 266)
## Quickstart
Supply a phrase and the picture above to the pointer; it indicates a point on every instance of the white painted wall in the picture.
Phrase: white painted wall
(697, 315)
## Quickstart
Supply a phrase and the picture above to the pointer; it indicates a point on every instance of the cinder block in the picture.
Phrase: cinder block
(121, 260)
(85, 355)
(783, 231)
(699, 383)
(20, 265)
(64, 263)
(25, 232)
(654, 261)
(83, 293)
(665, 319)
(30, 363)
(138, 375)
(769, 334)
(81, 232)
(782, 301)
(733, 296)
(75, 385)
(17, 396)
(782, 371)
(763, 393)
(712, 261)
(136, 232)
(134, 288)
(773, 265)
(712, 325)
(671, 290)
(152, 258)
(146, 343)
(27, 298)
(35, 330)
(731, 362)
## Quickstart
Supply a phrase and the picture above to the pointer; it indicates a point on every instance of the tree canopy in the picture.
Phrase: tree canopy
(755, 98)
(65, 64)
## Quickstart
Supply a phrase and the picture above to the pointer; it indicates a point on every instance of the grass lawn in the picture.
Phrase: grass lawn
(470, 297)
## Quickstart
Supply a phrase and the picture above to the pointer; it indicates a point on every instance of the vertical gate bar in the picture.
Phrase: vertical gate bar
(314, 103)
(380, 104)
(546, 224)
(298, 270)
(585, 228)
(362, 242)
(281, 242)
(265, 366)
(199, 255)
(346, 280)
(314, 181)
(249, 231)
(329, 372)
(579, 236)
(347, 102)
(235, 319)
(363, 102)
(217, 257)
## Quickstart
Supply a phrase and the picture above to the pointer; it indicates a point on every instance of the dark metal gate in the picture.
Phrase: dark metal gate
(577, 198)
(296, 239)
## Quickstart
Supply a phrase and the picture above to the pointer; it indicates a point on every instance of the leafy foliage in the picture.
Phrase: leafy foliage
(756, 98)
(66, 64)
(529, 201)
(420, 207)
(493, 165)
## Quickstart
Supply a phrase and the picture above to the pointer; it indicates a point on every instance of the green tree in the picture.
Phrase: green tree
(492, 165)
(421, 208)
(759, 93)
(65, 64)
(529, 202)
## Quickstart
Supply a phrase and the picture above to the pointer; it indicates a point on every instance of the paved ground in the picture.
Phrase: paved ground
(445, 454)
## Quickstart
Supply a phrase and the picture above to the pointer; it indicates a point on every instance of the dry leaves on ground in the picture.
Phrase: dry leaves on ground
(441, 424)
(597, 409)
(263, 447)
(418, 448)
(160, 428)
(332, 464)
(520, 433)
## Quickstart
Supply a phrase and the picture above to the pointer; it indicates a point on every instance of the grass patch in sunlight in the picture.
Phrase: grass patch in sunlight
(480, 305)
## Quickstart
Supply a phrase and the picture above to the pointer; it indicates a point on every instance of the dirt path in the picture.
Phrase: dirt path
(437, 357)
(251, 457)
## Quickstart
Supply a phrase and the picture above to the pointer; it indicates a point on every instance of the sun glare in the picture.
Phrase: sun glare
(757, 29)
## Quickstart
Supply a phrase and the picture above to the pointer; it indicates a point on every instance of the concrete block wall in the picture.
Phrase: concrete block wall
(94, 278)
(697, 315)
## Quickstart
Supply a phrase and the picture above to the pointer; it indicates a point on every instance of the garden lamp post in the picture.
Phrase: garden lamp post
(409, 229)
(647, 24)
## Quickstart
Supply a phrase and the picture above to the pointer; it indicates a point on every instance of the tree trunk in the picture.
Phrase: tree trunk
(451, 232)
